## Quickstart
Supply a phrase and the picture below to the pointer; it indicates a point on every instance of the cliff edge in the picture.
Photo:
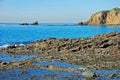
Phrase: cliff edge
(107, 17)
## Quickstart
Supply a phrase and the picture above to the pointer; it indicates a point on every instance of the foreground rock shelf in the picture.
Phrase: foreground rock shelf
(98, 52)
(31, 68)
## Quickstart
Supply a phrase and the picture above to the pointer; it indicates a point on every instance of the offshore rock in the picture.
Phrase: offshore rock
(107, 17)
(35, 23)
(24, 24)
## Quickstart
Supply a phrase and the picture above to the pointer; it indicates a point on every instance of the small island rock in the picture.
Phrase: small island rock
(24, 24)
(35, 23)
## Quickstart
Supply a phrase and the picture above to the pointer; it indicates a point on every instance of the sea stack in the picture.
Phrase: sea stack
(107, 17)
(35, 23)
(81, 23)
(24, 24)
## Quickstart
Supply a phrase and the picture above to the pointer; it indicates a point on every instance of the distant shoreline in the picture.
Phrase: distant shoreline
(63, 24)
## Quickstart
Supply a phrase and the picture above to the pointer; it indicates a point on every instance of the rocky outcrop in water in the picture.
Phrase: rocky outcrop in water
(24, 24)
(35, 23)
(108, 17)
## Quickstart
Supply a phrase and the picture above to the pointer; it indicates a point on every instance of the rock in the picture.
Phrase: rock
(81, 23)
(34, 78)
(100, 50)
(90, 75)
(11, 46)
(104, 45)
(4, 63)
(35, 23)
(24, 24)
(18, 63)
(0, 61)
(107, 17)
(112, 75)
(51, 67)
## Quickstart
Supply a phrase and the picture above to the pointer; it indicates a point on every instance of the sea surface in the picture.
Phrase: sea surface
(13, 33)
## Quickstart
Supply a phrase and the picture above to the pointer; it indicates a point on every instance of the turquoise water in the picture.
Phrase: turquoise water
(20, 34)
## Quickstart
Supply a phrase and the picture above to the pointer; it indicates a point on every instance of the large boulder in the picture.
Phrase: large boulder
(107, 17)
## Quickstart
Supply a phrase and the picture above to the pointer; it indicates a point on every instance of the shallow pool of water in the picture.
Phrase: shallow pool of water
(58, 64)
(5, 57)
(41, 74)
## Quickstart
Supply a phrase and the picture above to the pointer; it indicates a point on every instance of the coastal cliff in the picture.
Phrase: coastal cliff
(107, 17)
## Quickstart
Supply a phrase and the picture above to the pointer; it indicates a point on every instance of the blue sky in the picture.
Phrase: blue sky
(52, 11)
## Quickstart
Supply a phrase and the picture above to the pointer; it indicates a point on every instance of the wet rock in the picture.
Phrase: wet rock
(4, 63)
(90, 75)
(51, 67)
(11, 46)
(35, 23)
(105, 45)
(34, 78)
(18, 64)
(81, 23)
(112, 75)
(92, 51)
(24, 24)
(0, 62)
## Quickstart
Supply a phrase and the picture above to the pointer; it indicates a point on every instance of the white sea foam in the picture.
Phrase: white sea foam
(21, 44)
(5, 46)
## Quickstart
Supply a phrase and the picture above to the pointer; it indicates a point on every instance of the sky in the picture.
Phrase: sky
(52, 11)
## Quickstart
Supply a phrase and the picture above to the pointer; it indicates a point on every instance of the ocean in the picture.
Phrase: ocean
(23, 34)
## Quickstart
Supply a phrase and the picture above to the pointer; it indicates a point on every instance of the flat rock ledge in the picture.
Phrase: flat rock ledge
(98, 52)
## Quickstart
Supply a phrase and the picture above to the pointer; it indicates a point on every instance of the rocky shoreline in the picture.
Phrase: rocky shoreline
(98, 52)
(82, 58)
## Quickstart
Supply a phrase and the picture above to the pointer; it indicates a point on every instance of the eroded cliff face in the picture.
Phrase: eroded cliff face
(108, 17)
